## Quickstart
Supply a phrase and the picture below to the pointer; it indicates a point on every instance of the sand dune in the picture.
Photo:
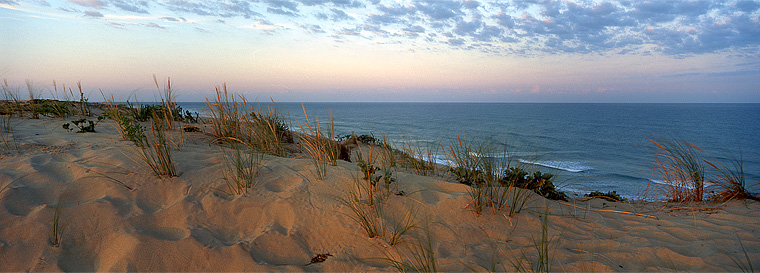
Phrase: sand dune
(191, 222)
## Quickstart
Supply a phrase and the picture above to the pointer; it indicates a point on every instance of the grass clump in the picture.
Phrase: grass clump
(242, 168)
(730, 180)
(370, 205)
(270, 130)
(416, 256)
(226, 115)
(477, 165)
(683, 169)
(419, 159)
(55, 234)
(322, 149)
(686, 173)
(155, 151)
(540, 262)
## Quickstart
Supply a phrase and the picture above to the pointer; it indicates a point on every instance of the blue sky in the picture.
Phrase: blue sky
(375, 50)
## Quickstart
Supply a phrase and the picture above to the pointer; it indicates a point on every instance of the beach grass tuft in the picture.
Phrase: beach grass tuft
(478, 165)
(155, 151)
(370, 208)
(415, 256)
(270, 130)
(226, 113)
(420, 159)
(730, 180)
(242, 166)
(681, 166)
(55, 234)
(322, 150)
(542, 245)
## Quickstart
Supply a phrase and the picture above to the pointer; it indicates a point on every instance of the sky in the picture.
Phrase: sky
(395, 51)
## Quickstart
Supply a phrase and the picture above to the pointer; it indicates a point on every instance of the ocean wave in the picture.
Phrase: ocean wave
(568, 166)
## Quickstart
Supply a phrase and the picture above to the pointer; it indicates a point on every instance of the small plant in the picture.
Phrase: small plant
(610, 195)
(226, 115)
(368, 206)
(32, 100)
(84, 125)
(55, 233)
(84, 107)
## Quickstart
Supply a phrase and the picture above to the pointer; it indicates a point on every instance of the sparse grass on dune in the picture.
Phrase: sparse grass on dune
(226, 114)
(320, 149)
(684, 169)
(55, 234)
(730, 180)
(155, 151)
(414, 256)
(242, 166)
(270, 130)
(541, 260)
(370, 207)
(419, 159)
(478, 165)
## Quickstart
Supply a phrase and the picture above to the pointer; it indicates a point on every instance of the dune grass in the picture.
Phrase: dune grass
(155, 151)
(320, 149)
(541, 260)
(682, 167)
(730, 180)
(226, 114)
(420, 159)
(270, 130)
(686, 172)
(415, 256)
(477, 164)
(370, 209)
(55, 234)
(242, 166)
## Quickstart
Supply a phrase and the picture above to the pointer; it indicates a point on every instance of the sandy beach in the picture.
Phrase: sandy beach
(116, 215)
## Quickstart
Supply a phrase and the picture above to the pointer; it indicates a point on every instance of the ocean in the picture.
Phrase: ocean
(588, 147)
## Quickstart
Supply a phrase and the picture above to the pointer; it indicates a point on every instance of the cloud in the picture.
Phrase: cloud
(173, 19)
(132, 6)
(313, 28)
(283, 7)
(232, 8)
(93, 14)
(337, 3)
(440, 9)
(89, 3)
(677, 28)
(153, 25)
(9, 2)
(335, 15)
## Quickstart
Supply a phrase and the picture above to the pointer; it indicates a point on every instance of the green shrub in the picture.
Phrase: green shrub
(610, 195)
(539, 183)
